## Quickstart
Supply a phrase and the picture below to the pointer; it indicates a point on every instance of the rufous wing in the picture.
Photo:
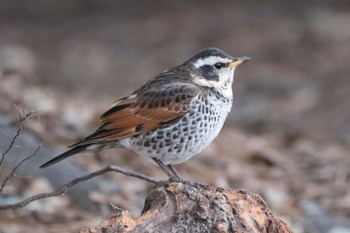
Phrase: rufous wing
(144, 111)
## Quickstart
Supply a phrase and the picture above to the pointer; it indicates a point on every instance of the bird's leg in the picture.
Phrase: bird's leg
(172, 176)
(176, 173)
(173, 170)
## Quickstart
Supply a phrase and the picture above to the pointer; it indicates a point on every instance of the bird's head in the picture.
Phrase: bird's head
(213, 68)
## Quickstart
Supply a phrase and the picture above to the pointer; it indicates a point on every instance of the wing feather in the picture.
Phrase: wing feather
(144, 111)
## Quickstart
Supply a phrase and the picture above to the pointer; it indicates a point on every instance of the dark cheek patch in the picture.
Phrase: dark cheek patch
(208, 72)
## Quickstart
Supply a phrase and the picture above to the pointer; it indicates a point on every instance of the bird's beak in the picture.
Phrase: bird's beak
(238, 61)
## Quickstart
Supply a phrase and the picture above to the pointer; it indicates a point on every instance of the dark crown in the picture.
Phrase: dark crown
(208, 53)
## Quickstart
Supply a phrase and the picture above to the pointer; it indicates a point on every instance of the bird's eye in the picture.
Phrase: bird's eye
(219, 65)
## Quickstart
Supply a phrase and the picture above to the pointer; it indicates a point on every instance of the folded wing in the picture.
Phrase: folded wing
(143, 111)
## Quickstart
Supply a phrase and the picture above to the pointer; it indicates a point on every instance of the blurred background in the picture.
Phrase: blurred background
(287, 138)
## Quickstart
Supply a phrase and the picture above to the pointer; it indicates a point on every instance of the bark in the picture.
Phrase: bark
(178, 207)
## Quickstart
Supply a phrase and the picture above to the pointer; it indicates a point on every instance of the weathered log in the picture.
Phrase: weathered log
(178, 207)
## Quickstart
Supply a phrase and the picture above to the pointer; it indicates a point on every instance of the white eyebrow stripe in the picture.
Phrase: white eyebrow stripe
(210, 61)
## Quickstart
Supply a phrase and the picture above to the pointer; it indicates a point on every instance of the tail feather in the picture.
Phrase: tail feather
(64, 155)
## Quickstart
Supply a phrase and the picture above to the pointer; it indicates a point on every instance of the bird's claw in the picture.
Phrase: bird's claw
(175, 179)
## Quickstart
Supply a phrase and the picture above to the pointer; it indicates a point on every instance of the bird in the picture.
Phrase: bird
(172, 117)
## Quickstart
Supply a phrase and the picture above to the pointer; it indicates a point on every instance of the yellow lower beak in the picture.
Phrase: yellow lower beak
(238, 61)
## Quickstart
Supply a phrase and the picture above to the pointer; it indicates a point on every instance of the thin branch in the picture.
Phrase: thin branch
(65, 187)
(68, 185)
(132, 174)
(19, 128)
(10, 174)
(21, 118)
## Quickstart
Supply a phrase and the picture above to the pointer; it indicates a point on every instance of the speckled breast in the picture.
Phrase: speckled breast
(179, 140)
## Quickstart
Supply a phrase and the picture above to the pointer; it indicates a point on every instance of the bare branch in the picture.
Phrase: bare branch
(10, 174)
(68, 185)
(21, 118)
(19, 128)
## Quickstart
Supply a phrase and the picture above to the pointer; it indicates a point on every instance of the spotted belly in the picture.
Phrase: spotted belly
(178, 141)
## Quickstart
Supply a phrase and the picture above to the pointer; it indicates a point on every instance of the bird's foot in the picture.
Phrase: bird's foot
(175, 179)
(195, 185)
(172, 179)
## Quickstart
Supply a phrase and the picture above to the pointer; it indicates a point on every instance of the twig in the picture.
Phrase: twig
(68, 185)
(10, 174)
(19, 128)
(22, 117)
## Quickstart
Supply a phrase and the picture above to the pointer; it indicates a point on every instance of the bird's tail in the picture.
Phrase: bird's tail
(64, 155)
